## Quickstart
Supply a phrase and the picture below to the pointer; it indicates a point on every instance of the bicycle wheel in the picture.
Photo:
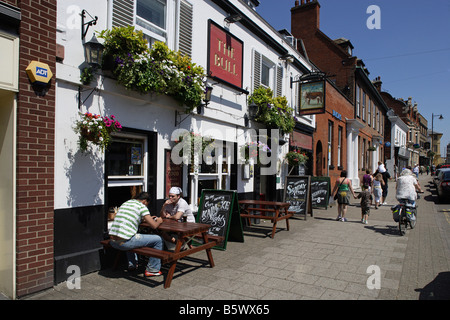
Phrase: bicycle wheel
(402, 223)
(412, 223)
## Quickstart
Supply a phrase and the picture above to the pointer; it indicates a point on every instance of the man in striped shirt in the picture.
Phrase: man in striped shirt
(124, 232)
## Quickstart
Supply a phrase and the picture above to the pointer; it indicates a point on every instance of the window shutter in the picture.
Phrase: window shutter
(123, 13)
(256, 70)
(279, 85)
(185, 41)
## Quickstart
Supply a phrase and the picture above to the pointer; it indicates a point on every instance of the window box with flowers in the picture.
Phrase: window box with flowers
(152, 70)
(274, 112)
(95, 129)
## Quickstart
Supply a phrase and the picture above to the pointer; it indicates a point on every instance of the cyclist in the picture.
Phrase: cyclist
(407, 185)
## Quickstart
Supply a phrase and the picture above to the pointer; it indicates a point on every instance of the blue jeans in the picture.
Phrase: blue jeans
(137, 241)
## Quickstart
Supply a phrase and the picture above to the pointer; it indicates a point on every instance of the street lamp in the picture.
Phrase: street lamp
(432, 133)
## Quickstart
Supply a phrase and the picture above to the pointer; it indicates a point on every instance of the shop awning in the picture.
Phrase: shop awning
(301, 140)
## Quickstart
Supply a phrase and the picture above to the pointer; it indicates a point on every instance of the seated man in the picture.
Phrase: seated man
(124, 232)
(176, 207)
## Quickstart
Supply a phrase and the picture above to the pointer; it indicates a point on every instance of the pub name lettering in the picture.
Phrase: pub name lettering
(224, 58)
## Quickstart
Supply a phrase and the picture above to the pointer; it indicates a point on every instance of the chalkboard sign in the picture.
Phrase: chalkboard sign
(297, 192)
(320, 191)
(219, 208)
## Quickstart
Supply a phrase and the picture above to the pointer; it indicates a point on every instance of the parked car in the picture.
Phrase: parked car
(443, 185)
(435, 177)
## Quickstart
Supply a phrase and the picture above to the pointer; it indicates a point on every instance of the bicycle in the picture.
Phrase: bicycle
(405, 213)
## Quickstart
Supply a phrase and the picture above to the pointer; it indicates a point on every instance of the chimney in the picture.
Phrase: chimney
(377, 83)
(305, 18)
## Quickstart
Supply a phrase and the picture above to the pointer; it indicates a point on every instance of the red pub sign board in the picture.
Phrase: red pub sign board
(225, 53)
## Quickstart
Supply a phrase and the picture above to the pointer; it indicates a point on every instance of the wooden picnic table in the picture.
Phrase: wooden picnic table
(183, 230)
(269, 210)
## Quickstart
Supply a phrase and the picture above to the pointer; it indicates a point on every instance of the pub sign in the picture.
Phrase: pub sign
(225, 55)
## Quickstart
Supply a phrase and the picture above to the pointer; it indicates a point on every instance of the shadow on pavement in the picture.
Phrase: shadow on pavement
(438, 289)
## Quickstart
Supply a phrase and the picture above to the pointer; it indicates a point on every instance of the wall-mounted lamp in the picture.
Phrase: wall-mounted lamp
(246, 121)
(253, 110)
(206, 99)
(232, 18)
(87, 24)
(93, 51)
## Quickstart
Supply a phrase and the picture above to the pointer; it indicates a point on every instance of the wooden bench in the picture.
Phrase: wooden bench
(165, 256)
(184, 230)
(279, 210)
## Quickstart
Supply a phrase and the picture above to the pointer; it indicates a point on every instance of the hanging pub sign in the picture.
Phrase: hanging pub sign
(312, 97)
(225, 55)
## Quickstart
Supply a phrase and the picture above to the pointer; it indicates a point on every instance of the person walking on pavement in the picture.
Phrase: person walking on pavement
(341, 191)
(377, 189)
(366, 200)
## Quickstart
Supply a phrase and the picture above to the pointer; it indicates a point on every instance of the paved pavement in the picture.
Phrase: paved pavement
(319, 258)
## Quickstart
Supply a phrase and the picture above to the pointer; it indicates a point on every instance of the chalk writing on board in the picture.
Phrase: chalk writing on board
(296, 195)
(215, 212)
(319, 191)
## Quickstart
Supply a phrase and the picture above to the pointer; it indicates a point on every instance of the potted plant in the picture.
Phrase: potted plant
(96, 130)
(372, 148)
(274, 112)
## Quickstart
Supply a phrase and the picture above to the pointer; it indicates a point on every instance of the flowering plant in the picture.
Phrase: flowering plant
(273, 111)
(196, 144)
(294, 158)
(252, 149)
(158, 69)
(95, 129)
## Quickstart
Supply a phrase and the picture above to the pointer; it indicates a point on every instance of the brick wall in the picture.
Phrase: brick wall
(35, 150)
(336, 101)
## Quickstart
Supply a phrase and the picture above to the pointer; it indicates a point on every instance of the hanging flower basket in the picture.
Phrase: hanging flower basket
(274, 112)
(253, 150)
(295, 158)
(372, 149)
(199, 146)
(96, 130)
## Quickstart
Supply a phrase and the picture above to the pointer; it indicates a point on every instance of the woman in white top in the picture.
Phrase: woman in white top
(407, 185)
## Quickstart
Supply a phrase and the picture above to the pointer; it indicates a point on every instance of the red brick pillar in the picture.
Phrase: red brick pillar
(35, 151)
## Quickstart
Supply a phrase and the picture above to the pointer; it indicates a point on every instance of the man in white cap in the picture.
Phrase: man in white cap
(176, 207)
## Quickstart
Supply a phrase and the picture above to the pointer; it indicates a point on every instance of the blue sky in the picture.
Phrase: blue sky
(410, 52)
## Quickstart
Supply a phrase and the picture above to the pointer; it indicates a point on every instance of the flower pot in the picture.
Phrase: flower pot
(90, 136)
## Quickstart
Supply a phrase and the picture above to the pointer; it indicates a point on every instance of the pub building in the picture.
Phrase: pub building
(239, 52)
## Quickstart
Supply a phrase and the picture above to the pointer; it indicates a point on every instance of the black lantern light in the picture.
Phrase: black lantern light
(93, 51)
(206, 99)
(253, 110)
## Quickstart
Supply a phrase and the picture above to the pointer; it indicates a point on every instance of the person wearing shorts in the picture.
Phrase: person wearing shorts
(342, 190)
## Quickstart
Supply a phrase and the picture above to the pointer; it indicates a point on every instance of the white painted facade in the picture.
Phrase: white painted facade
(80, 178)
